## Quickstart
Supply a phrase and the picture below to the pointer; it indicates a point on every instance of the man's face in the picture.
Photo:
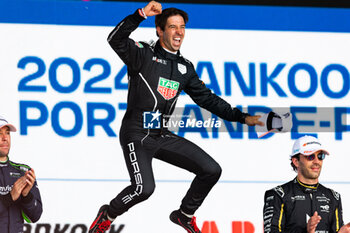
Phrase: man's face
(174, 32)
(309, 170)
(5, 142)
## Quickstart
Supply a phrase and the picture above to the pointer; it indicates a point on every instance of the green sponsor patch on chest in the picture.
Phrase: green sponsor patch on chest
(168, 88)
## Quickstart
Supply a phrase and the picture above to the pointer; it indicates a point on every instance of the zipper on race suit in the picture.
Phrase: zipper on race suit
(312, 205)
(167, 101)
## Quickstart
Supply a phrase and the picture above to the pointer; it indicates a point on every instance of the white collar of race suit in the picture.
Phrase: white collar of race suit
(170, 51)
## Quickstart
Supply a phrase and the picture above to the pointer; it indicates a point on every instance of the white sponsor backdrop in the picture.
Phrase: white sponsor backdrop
(78, 174)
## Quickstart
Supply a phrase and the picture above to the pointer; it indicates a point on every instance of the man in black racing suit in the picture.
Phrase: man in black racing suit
(157, 75)
(303, 205)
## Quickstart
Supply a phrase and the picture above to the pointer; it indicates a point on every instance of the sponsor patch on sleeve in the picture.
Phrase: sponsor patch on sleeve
(335, 194)
(138, 44)
(279, 190)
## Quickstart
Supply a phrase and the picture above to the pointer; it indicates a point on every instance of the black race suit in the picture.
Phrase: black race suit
(156, 78)
(288, 208)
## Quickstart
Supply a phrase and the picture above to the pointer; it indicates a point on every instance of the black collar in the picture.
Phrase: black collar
(307, 188)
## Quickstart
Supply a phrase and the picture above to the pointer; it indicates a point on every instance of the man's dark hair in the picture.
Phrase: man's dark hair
(162, 18)
(297, 156)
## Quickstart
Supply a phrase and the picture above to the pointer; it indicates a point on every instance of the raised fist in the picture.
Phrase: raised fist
(153, 8)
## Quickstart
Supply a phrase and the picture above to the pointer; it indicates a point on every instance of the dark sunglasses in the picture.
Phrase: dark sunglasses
(320, 156)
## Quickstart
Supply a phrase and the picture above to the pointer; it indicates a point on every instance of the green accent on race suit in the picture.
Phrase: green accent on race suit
(26, 218)
(18, 166)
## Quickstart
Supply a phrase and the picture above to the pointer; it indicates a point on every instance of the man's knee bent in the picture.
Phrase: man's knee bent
(146, 191)
(213, 172)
